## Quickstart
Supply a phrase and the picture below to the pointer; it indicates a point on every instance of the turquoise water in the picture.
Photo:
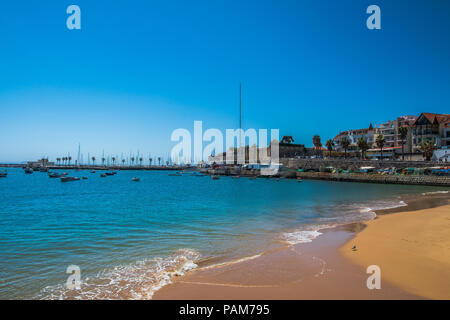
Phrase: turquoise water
(129, 238)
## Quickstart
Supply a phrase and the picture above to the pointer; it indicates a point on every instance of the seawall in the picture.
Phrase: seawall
(426, 180)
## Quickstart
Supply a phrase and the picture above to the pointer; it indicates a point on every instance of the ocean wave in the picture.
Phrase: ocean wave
(300, 236)
(304, 235)
(434, 192)
(344, 214)
(135, 281)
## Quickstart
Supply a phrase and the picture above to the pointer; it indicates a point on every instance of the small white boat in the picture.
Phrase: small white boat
(136, 179)
(67, 179)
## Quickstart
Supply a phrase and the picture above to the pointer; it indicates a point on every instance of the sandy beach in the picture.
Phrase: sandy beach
(412, 248)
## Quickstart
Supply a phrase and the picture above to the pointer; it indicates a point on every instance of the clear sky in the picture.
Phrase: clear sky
(137, 70)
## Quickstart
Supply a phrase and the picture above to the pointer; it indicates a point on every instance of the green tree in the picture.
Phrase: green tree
(330, 145)
(316, 142)
(345, 143)
(380, 141)
(427, 148)
(363, 146)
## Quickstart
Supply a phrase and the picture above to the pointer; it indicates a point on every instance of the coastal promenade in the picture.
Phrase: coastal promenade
(425, 180)
(353, 164)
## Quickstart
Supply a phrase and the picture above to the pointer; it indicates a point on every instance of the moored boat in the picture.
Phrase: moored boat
(54, 175)
(3, 174)
(27, 170)
(135, 179)
(215, 177)
(102, 175)
(67, 179)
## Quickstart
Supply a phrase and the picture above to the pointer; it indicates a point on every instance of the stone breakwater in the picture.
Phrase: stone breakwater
(425, 180)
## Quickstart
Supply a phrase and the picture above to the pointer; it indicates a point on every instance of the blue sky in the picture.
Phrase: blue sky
(137, 70)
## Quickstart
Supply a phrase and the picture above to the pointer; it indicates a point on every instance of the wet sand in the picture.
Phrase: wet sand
(312, 270)
(412, 249)
(325, 268)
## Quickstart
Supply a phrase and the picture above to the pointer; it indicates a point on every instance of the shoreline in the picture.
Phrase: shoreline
(411, 248)
(314, 270)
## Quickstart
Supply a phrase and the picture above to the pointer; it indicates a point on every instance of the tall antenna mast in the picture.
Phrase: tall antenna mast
(240, 105)
(240, 113)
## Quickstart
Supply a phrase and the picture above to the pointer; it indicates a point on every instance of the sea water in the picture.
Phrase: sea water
(131, 238)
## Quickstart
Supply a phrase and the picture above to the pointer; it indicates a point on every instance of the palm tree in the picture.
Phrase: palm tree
(150, 160)
(64, 160)
(132, 160)
(58, 160)
(403, 131)
(380, 143)
(70, 159)
(345, 143)
(159, 161)
(123, 162)
(316, 142)
(427, 148)
(363, 146)
(330, 145)
(140, 161)
(93, 161)
(113, 159)
(167, 163)
(103, 161)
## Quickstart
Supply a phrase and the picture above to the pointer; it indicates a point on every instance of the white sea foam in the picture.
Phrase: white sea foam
(434, 192)
(135, 281)
(300, 236)
(345, 214)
